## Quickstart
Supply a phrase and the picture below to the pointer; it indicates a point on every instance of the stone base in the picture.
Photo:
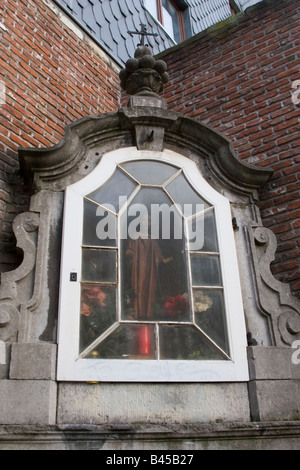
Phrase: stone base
(274, 384)
(26, 402)
(98, 404)
(274, 399)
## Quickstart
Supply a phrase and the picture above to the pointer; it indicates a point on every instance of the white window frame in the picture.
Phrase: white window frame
(73, 368)
(158, 12)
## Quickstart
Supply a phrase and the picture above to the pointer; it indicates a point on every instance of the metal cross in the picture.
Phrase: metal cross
(143, 33)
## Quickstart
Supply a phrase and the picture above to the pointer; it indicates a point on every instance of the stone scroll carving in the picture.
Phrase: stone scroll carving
(19, 284)
(274, 297)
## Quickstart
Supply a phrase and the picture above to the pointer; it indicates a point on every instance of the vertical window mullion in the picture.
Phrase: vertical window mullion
(160, 11)
(157, 342)
(181, 24)
(119, 306)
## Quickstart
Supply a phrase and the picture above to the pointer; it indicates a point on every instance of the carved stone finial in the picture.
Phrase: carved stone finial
(143, 74)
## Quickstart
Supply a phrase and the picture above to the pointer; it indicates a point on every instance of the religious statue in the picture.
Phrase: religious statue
(145, 258)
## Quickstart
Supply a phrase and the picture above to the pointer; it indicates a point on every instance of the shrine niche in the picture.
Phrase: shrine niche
(196, 305)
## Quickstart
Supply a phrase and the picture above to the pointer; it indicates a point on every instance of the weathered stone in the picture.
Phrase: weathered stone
(145, 436)
(27, 402)
(62, 165)
(33, 361)
(274, 400)
(155, 403)
(144, 75)
(4, 359)
(267, 363)
(151, 101)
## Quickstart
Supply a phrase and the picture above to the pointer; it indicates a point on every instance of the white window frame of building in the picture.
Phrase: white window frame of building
(161, 14)
(72, 367)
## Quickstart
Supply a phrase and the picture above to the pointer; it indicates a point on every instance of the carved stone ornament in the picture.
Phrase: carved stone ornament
(143, 74)
(69, 160)
(16, 286)
(23, 308)
(275, 299)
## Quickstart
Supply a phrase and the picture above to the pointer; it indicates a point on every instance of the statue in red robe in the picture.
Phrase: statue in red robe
(146, 257)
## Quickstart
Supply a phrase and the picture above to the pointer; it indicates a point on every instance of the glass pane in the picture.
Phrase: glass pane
(151, 196)
(186, 342)
(210, 315)
(114, 192)
(154, 266)
(127, 342)
(203, 233)
(154, 281)
(97, 312)
(151, 6)
(99, 226)
(171, 20)
(148, 172)
(99, 265)
(206, 270)
(152, 214)
(184, 195)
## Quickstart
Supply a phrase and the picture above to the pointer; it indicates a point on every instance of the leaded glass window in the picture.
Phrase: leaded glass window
(149, 277)
(151, 281)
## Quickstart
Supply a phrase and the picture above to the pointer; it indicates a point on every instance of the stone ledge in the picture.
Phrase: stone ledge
(198, 436)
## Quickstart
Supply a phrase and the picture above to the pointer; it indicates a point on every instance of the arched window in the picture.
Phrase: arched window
(149, 281)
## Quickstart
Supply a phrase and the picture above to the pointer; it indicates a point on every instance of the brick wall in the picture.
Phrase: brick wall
(50, 75)
(241, 78)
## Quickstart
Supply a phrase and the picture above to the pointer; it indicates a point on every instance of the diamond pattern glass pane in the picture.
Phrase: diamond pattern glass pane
(115, 191)
(149, 172)
(183, 194)
(210, 315)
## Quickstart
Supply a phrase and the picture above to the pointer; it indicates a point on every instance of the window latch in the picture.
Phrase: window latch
(73, 277)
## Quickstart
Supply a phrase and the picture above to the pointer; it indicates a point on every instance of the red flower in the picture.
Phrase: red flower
(85, 310)
(175, 305)
(92, 294)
